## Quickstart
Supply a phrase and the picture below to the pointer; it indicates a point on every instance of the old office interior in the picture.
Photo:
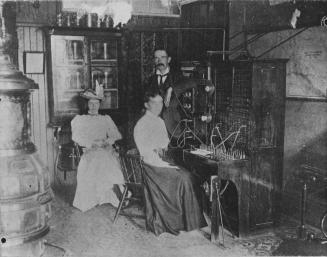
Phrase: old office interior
(249, 125)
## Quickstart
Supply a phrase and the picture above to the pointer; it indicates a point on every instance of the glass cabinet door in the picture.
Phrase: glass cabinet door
(110, 100)
(80, 62)
(69, 73)
(68, 83)
(105, 75)
(104, 70)
(103, 50)
(68, 50)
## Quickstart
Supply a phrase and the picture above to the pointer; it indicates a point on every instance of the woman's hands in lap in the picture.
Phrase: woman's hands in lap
(100, 143)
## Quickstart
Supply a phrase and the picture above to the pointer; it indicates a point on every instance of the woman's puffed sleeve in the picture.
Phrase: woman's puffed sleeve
(113, 133)
(162, 138)
(78, 133)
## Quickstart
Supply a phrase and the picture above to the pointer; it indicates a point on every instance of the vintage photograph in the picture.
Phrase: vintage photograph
(163, 128)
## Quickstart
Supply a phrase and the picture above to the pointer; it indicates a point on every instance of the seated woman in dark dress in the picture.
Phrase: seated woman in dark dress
(171, 202)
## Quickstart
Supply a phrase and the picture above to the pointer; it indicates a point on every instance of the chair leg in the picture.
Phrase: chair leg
(120, 203)
(144, 209)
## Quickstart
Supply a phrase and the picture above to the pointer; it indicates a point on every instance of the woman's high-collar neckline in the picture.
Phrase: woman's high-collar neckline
(92, 114)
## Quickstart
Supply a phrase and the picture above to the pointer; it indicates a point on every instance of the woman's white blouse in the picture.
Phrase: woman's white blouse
(86, 129)
(150, 134)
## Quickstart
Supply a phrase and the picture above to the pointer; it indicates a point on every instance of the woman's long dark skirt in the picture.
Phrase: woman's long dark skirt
(170, 201)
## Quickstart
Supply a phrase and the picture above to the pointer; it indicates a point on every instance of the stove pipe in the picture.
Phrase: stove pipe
(25, 192)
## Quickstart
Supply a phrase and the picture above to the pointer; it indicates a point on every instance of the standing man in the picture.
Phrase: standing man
(170, 196)
(170, 84)
(164, 79)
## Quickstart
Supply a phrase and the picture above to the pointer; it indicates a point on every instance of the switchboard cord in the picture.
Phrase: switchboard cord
(223, 190)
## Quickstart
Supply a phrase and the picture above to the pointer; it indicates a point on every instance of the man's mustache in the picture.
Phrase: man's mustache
(159, 64)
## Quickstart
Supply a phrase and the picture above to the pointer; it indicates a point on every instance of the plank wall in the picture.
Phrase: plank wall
(31, 39)
(29, 23)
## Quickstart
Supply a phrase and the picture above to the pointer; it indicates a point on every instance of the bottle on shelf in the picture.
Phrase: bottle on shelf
(59, 19)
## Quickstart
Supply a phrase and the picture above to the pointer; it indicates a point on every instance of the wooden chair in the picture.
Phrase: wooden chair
(132, 168)
(67, 160)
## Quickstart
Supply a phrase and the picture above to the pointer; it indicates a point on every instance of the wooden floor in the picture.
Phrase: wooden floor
(67, 221)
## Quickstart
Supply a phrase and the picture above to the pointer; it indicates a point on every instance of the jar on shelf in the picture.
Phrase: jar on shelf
(92, 20)
(70, 19)
(59, 20)
(108, 21)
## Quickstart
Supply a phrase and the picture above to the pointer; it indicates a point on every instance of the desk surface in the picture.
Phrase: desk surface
(205, 166)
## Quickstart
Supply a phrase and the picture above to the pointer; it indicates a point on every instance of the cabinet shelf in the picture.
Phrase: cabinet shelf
(74, 90)
(97, 62)
(82, 64)
(89, 32)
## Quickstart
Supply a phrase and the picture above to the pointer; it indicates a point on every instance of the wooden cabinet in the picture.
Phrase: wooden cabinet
(80, 58)
(252, 93)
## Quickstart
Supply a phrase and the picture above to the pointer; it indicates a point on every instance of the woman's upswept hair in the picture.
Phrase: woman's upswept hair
(150, 93)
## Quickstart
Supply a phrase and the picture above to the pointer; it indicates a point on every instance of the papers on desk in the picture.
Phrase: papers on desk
(201, 152)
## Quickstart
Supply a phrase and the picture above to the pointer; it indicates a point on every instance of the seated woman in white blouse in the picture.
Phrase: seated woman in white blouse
(99, 168)
(170, 196)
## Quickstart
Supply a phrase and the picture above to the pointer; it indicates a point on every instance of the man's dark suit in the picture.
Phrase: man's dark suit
(172, 80)
(179, 84)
